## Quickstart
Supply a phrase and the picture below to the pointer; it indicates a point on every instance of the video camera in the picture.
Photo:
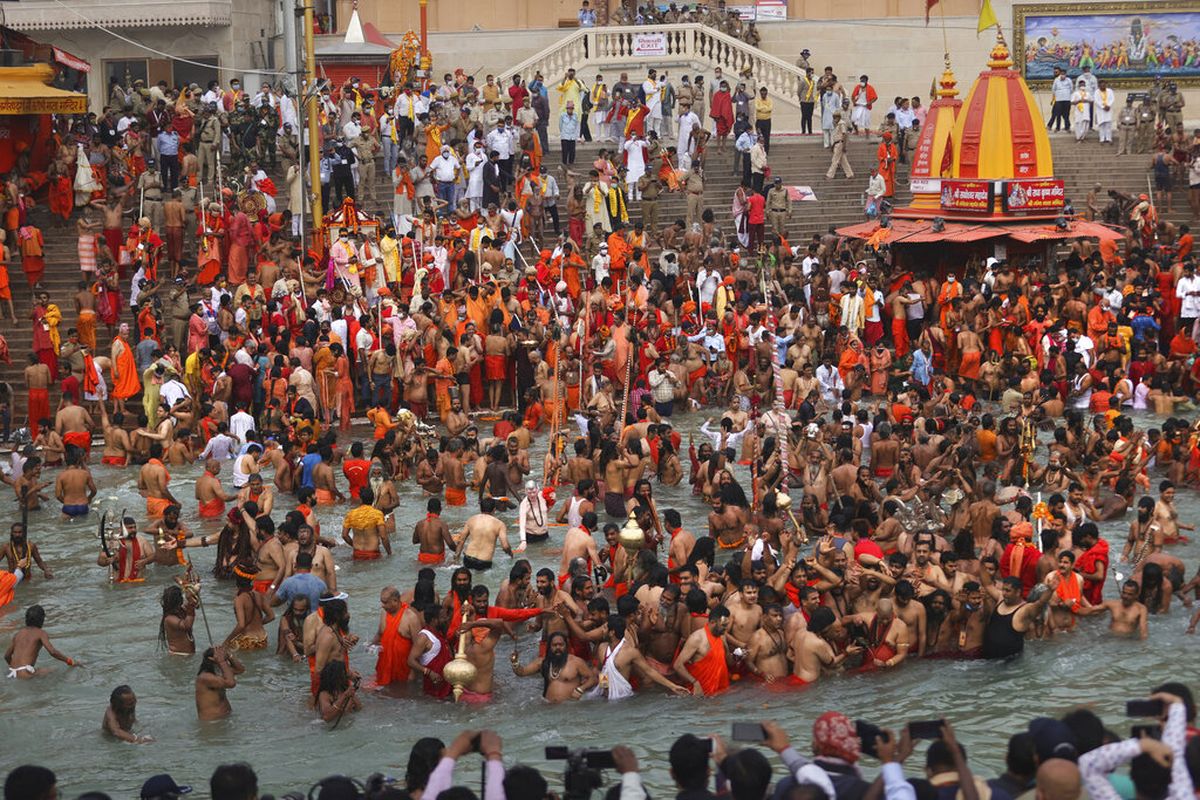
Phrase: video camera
(582, 774)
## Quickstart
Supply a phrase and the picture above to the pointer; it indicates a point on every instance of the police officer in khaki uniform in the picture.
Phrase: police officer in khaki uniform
(1127, 122)
(150, 189)
(210, 140)
(1170, 105)
(1145, 127)
(841, 134)
(779, 207)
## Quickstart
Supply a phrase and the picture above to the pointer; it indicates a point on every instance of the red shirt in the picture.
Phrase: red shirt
(758, 207)
(357, 471)
(518, 95)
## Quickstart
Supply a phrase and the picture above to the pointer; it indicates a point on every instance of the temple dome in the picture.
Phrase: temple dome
(933, 157)
(1000, 132)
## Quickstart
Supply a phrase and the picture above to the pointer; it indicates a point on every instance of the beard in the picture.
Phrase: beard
(546, 591)
(556, 661)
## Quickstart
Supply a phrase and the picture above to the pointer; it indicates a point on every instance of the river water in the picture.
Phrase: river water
(55, 719)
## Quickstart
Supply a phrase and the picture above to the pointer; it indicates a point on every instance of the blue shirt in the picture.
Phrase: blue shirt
(168, 143)
(307, 465)
(1144, 327)
(302, 584)
(568, 127)
(922, 367)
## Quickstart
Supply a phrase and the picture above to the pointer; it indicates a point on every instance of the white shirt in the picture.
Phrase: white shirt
(706, 284)
(240, 423)
(1062, 88)
(831, 382)
(444, 168)
(501, 141)
(1086, 348)
(1190, 305)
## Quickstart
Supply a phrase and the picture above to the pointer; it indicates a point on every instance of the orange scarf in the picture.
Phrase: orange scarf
(1069, 592)
(406, 185)
(159, 463)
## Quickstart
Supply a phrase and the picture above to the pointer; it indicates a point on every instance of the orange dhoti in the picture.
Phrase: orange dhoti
(495, 367)
(432, 558)
(39, 408)
(80, 439)
(155, 506)
(324, 497)
(366, 555)
(212, 508)
(899, 336)
(86, 325)
(456, 497)
(392, 664)
(968, 366)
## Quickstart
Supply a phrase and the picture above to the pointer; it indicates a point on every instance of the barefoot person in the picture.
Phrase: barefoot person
(121, 716)
(74, 487)
(218, 671)
(364, 530)
(620, 660)
(152, 482)
(27, 643)
(1129, 616)
(702, 662)
(178, 617)
(432, 534)
(476, 542)
(210, 496)
(248, 633)
(565, 676)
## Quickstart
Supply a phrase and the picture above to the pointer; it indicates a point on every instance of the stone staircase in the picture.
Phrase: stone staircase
(798, 160)
(687, 47)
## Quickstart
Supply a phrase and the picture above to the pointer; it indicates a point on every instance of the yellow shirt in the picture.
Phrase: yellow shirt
(763, 108)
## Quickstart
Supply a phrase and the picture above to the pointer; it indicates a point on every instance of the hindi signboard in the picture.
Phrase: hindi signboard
(1034, 194)
(967, 196)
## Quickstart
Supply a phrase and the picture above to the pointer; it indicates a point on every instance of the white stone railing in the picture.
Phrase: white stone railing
(693, 42)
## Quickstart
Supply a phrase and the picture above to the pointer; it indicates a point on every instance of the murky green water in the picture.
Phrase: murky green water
(55, 720)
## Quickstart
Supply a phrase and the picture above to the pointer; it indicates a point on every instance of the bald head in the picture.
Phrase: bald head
(884, 608)
(1058, 779)
(212, 466)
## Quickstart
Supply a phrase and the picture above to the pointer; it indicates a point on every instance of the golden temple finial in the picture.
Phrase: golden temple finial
(947, 84)
(1000, 57)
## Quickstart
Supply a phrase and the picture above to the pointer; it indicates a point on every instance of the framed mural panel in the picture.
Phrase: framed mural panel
(1126, 43)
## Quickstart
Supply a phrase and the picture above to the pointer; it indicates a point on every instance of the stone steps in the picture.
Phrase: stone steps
(800, 160)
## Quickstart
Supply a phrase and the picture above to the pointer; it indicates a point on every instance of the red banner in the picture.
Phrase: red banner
(1037, 194)
(969, 196)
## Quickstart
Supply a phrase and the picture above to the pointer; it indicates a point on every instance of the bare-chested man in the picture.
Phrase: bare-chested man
(476, 542)
(75, 488)
(432, 534)
(565, 676)
(1129, 616)
(766, 656)
(27, 643)
(210, 496)
(218, 673)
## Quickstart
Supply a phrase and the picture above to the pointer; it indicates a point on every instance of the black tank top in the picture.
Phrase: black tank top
(1000, 639)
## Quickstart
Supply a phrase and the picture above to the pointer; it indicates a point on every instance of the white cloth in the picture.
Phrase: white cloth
(1102, 98)
(613, 684)
(635, 160)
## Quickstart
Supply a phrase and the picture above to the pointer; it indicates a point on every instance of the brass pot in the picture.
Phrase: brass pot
(631, 536)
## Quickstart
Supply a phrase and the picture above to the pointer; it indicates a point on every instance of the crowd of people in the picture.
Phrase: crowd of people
(1068, 758)
(903, 409)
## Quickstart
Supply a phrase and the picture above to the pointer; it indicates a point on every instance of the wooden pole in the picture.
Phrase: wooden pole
(310, 105)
